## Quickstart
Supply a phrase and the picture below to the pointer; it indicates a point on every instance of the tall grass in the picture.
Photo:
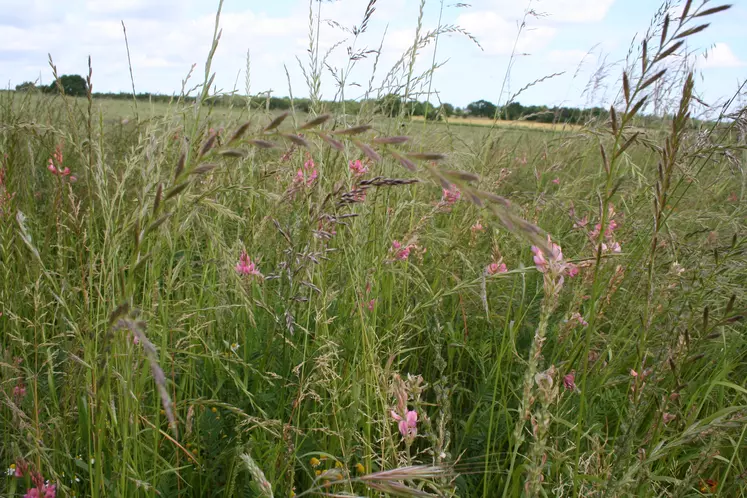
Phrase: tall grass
(198, 304)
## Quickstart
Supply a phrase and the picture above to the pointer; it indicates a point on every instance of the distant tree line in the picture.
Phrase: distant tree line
(389, 105)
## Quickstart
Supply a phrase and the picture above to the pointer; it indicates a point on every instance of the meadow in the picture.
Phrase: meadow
(208, 301)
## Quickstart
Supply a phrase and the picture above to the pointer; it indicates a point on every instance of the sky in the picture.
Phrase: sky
(167, 37)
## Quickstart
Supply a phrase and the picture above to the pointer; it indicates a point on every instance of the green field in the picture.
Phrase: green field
(194, 301)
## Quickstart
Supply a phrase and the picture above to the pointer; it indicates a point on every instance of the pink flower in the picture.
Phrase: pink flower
(572, 270)
(44, 491)
(408, 424)
(19, 391)
(569, 381)
(556, 181)
(246, 267)
(522, 160)
(581, 223)
(477, 227)
(616, 248)
(633, 373)
(51, 167)
(450, 196)
(494, 268)
(668, 417)
(358, 168)
(371, 304)
(400, 253)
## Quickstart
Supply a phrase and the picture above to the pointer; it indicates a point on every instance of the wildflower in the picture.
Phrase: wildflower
(449, 197)
(581, 223)
(556, 181)
(400, 253)
(494, 268)
(633, 373)
(371, 304)
(556, 256)
(569, 381)
(314, 462)
(214, 410)
(616, 248)
(522, 160)
(19, 391)
(407, 424)
(338, 464)
(733, 197)
(709, 485)
(358, 168)
(668, 417)
(246, 267)
(477, 227)
(572, 270)
(360, 468)
(576, 317)
(11, 470)
(135, 339)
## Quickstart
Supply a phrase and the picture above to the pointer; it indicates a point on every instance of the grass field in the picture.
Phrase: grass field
(532, 125)
(198, 301)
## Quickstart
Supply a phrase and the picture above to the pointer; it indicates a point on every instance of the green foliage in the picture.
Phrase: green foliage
(73, 85)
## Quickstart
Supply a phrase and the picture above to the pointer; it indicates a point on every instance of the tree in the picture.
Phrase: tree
(390, 105)
(26, 86)
(447, 109)
(73, 85)
(482, 108)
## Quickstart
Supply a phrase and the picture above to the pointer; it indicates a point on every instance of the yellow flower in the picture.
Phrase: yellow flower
(194, 451)
(360, 468)
(338, 464)
(318, 472)
(326, 483)
(314, 462)
(214, 409)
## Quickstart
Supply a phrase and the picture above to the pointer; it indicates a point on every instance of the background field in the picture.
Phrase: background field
(141, 355)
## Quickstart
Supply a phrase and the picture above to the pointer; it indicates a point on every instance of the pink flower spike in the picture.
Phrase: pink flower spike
(569, 381)
(477, 227)
(65, 172)
(451, 195)
(358, 168)
(396, 244)
(633, 373)
(246, 267)
(572, 270)
(556, 181)
(494, 268)
(395, 416)
(616, 248)
(371, 304)
(51, 167)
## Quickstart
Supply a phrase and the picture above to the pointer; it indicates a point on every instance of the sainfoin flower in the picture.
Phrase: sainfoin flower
(477, 227)
(358, 168)
(569, 381)
(494, 268)
(450, 196)
(668, 417)
(19, 391)
(400, 253)
(246, 267)
(408, 425)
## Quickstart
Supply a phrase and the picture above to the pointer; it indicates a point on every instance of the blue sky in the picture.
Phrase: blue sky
(168, 36)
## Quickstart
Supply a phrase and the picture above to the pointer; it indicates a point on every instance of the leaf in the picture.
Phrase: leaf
(277, 121)
(316, 121)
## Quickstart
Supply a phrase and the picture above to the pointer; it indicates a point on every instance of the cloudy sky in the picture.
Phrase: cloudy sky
(167, 37)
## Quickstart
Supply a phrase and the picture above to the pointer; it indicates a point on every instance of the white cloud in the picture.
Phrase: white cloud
(720, 56)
